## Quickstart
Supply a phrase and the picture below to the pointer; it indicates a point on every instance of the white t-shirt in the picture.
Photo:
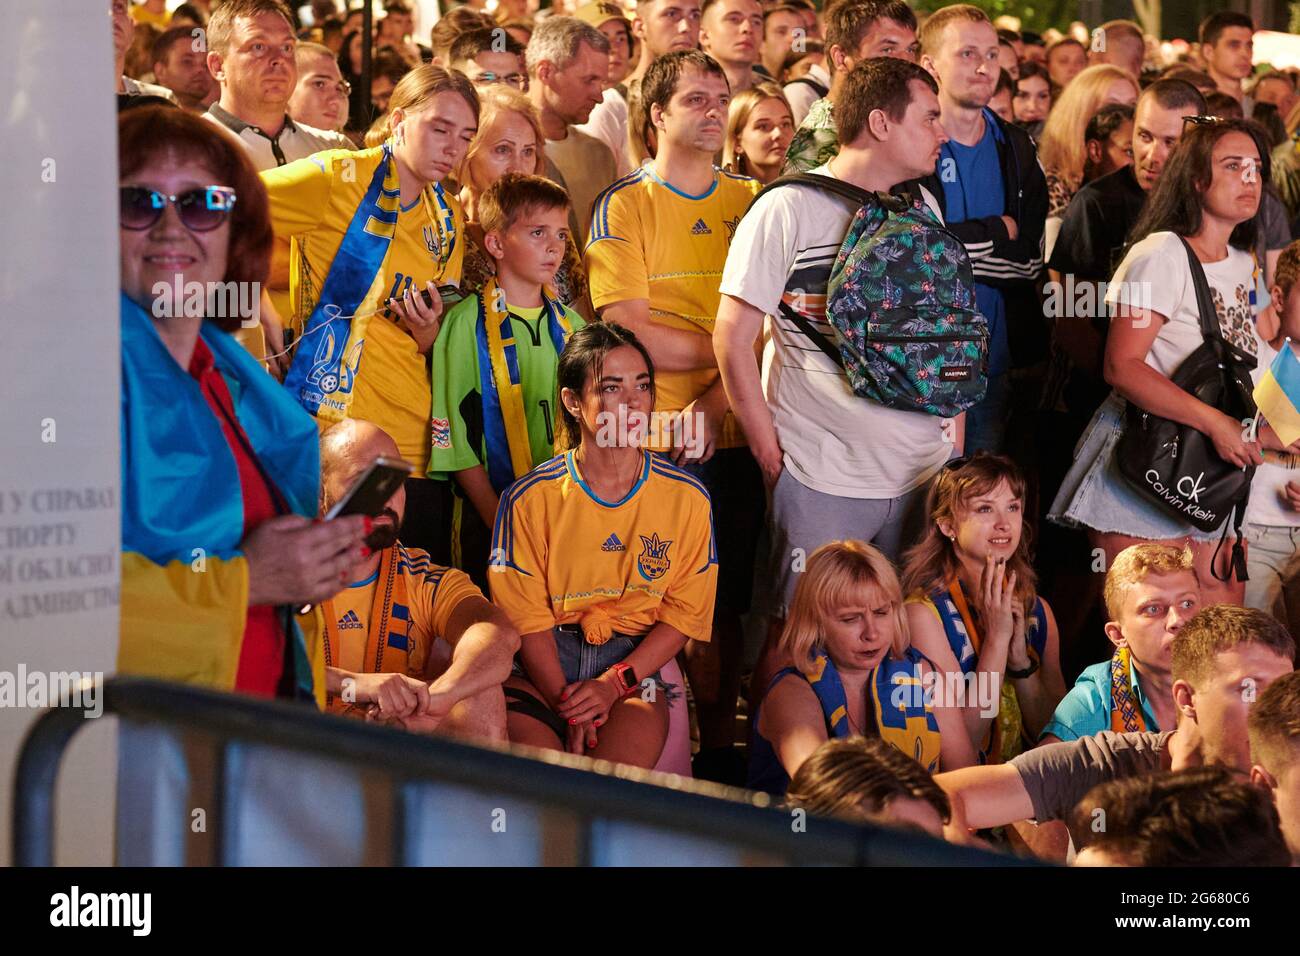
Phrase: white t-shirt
(802, 96)
(608, 123)
(834, 442)
(1267, 498)
(1155, 275)
(132, 87)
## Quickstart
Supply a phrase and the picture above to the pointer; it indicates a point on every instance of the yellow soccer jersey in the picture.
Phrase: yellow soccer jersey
(561, 555)
(432, 594)
(313, 201)
(650, 241)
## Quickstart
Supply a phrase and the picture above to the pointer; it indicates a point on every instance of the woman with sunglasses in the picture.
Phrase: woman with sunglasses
(1208, 195)
(974, 611)
(220, 467)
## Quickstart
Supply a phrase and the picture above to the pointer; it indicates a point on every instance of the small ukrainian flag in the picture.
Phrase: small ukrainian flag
(1278, 395)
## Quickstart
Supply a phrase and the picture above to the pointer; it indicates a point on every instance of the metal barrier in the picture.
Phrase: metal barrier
(592, 793)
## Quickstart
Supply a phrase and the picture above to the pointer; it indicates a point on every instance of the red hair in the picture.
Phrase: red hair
(153, 134)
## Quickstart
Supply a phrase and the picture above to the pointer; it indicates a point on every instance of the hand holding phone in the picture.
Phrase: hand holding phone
(420, 312)
(368, 496)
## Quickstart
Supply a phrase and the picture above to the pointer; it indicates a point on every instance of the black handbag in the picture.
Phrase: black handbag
(1176, 467)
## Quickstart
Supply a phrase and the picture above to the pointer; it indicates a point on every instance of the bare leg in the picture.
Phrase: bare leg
(1213, 591)
(523, 729)
(635, 732)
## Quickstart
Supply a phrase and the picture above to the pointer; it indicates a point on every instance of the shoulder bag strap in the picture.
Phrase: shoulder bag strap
(1211, 332)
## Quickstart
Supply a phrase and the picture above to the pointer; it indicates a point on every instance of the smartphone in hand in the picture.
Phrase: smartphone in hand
(371, 491)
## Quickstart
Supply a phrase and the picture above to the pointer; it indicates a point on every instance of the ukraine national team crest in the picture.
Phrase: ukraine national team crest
(653, 561)
(432, 242)
(330, 371)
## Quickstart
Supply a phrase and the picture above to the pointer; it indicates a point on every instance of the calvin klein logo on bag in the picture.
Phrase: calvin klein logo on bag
(1190, 487)
(955, 373)
(1185, 495)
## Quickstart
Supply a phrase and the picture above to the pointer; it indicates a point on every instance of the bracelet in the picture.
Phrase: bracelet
(1027, 672)
(619, 671)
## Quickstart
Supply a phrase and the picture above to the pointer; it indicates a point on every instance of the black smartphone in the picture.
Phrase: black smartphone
(369, 494)
(371, 491)
(450, 295)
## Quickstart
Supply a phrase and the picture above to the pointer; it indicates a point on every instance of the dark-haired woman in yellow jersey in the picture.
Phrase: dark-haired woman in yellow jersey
(604, 559)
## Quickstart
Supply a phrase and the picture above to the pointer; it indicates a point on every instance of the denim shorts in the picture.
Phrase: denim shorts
(581, 660)
(1095, 495)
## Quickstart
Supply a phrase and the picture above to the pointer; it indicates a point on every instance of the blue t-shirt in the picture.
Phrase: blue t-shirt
(975, 191)
(1085, 710)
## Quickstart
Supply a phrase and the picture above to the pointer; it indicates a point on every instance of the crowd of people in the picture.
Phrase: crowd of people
(757, 366)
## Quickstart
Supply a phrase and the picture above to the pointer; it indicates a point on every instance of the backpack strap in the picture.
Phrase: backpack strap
(830, 184)
(1229, 356)
(810, 330)
(819, 88)
(854, 194)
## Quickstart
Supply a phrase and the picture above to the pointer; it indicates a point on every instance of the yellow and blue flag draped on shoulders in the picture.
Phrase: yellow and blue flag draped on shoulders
(1277, 396)
(505, 428)
(184, 580)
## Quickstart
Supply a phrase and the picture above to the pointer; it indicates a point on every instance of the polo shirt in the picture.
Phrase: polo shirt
(294, 141)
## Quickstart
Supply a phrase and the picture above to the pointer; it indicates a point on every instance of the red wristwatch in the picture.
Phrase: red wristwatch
(625, 678)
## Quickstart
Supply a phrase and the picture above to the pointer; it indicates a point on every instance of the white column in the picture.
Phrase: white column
(59, 370)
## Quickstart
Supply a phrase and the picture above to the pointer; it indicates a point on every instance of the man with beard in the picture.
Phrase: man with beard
(408, 641)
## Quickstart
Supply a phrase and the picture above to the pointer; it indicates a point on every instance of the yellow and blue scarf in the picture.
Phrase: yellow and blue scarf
(505, 425)
(327, 357)
(388, 636)
(908, 726)
(1006, 736)
(1125, 713)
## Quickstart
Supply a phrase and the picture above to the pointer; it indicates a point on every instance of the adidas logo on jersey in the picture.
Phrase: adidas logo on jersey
(701, 228)
(349, 621)
(613, 544)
